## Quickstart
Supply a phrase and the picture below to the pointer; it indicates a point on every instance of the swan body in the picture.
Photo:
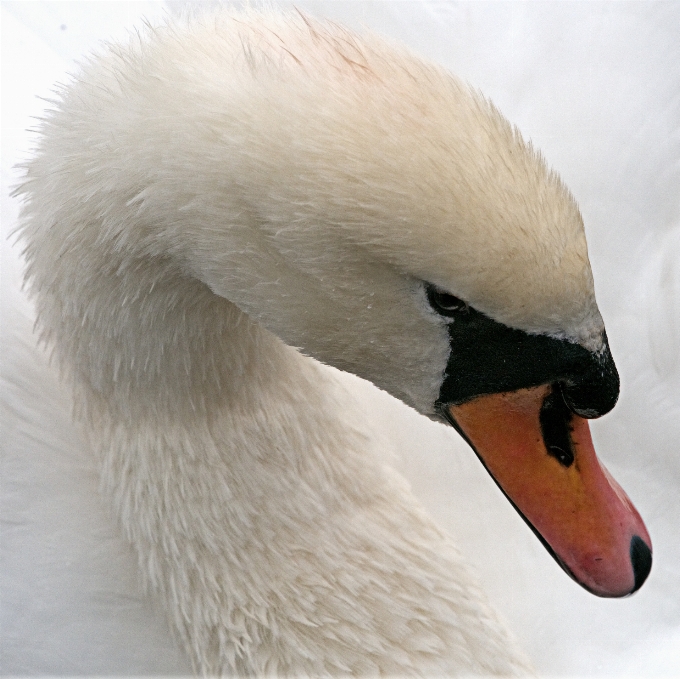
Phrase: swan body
(212, 195)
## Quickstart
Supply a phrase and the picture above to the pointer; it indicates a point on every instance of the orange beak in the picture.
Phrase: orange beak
(543, 459)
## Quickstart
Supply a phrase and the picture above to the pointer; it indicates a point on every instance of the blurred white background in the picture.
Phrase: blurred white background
(595, 86)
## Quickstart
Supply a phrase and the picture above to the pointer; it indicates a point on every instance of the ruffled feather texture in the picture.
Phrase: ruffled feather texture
(595, 88)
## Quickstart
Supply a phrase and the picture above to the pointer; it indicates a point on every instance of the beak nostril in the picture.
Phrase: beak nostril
(641, 558)
(555, 418)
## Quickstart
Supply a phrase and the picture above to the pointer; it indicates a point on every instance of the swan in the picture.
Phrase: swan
(209, 197)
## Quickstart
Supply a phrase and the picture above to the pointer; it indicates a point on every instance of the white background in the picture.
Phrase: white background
(596, 86)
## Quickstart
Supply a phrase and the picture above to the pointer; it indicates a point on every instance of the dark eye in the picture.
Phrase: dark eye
(444, 303)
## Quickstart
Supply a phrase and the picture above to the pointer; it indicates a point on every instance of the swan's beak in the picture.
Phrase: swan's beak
(542, 457)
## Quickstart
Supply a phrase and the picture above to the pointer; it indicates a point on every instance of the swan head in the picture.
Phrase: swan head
(373, 211)
(416, 240)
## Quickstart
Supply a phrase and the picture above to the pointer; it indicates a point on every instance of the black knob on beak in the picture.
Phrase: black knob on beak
(594, 389)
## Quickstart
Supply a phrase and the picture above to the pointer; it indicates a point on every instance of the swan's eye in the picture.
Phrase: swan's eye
(444, 303)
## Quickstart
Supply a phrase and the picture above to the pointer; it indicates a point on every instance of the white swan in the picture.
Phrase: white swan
(331, 188)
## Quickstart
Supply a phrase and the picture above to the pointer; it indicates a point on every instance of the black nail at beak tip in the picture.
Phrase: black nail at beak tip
(641, 558)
